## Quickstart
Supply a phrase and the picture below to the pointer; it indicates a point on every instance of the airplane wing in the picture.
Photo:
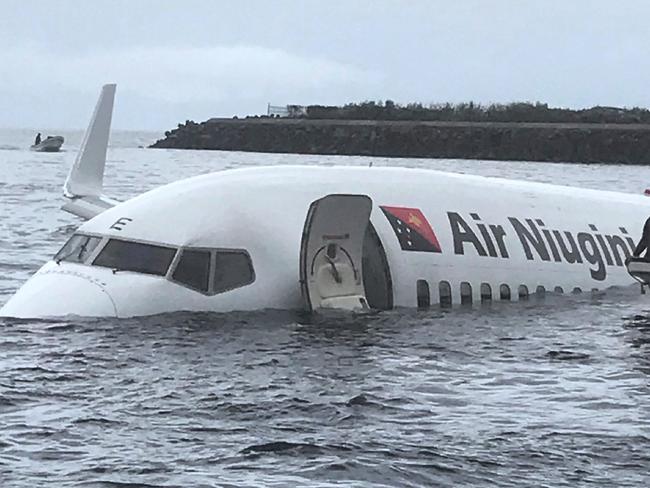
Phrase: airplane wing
(84, 185)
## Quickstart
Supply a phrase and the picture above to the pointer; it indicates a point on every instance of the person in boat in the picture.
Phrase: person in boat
(37, 141)
(644, 243)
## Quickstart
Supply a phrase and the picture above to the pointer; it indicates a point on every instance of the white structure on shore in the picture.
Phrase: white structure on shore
(286, 110)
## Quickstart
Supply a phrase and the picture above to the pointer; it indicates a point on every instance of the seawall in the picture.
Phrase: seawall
(568, 142)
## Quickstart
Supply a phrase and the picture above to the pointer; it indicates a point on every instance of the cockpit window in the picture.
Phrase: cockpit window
(135, 256)
(77, 249)
(233, 269)
(208, 271)
(193, 269)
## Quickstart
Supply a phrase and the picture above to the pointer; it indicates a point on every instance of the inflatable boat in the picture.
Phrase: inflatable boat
(639, 269)
(49, 144)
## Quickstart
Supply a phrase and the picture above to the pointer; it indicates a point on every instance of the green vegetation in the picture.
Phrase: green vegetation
(472, 112)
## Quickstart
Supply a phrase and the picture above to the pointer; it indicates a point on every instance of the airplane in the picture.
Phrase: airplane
(318, 238)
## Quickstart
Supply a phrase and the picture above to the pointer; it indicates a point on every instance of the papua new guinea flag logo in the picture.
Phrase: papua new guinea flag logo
(412, 229)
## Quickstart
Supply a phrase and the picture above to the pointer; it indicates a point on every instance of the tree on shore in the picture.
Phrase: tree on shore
(474, 112)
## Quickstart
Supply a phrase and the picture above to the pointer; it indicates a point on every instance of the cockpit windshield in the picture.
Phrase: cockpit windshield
(207, 271)
(77, 249)
(231, 268)
(135, 256)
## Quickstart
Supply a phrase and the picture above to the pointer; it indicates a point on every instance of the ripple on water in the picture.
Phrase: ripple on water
(524, 394)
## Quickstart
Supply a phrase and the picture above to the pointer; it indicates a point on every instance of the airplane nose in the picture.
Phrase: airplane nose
(60, 293)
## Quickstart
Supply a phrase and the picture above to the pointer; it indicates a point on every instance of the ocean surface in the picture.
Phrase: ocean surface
(540, 393)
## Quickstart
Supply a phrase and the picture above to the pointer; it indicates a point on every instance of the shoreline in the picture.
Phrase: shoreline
(506, 141)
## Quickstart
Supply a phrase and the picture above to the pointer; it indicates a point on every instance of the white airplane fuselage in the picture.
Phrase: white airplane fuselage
(482, 237)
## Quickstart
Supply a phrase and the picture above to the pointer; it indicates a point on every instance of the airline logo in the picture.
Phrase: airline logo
(538, 241)
(412, 229)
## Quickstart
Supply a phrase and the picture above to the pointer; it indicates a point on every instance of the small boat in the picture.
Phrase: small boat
(49, 144)
(639, 269)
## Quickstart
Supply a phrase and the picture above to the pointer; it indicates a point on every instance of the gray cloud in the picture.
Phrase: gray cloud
(199, 59)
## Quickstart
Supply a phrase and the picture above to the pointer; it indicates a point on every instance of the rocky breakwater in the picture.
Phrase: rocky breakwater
(527, 141)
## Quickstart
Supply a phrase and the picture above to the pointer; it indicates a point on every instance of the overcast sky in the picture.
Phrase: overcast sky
(191, 59)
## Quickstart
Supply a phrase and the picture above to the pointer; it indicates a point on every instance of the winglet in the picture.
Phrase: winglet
(86, 178)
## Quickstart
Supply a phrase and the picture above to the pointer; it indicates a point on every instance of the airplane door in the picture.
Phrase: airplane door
(331, 253)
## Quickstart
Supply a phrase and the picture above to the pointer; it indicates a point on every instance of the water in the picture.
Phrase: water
(552, 393)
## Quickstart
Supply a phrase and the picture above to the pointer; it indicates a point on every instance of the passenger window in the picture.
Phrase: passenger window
(523, 292)
(558, 289)
(504, 291)
(486, 292)
(77, 249)
(135, 256)
(540, 292)
(576, 290)
(444, 288)
(233, 269)
(465, 293)
(424, 297)
(193, 269)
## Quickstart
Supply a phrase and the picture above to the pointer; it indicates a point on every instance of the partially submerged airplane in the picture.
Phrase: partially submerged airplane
(305, 237)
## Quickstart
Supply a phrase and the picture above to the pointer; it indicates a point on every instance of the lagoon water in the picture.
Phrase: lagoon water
(537, 393)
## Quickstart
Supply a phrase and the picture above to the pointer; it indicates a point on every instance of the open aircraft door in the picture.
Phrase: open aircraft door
(331, 252)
